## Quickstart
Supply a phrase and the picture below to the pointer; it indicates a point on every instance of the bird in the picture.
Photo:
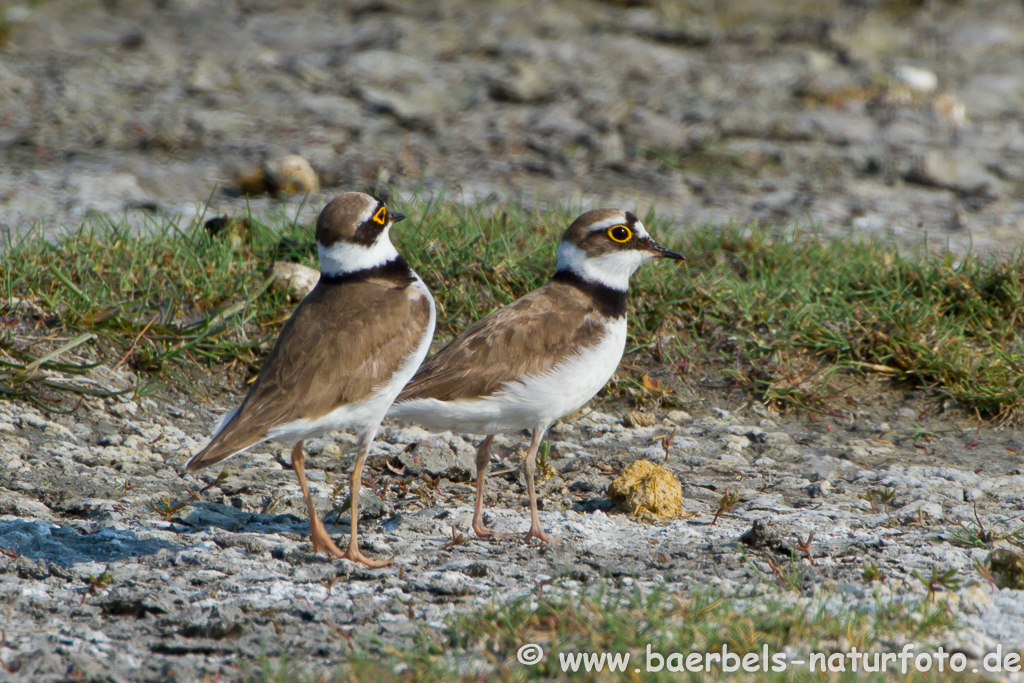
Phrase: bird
(341, 358)
(541, 357)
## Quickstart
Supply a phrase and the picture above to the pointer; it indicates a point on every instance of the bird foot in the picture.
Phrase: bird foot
(538, 533)
(484, 532)
(322, 541)
(355, 556)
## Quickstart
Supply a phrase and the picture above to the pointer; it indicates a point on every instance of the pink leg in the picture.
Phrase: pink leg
(483, 457)
(355, 481)
(317, 532)
(531, 469)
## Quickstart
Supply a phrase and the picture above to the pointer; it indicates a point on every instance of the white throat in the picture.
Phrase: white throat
(343, 258)
(611, 270)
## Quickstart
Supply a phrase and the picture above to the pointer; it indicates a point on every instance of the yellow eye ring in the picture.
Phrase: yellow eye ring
(620, 234)
(380, 216)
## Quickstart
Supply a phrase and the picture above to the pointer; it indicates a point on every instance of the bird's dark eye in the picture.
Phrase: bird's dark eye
(619, 233)
(381, 216)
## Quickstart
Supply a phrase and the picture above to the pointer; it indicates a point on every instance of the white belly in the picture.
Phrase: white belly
(531, 401)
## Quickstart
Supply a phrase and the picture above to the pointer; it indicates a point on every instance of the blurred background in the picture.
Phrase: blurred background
(887, 117)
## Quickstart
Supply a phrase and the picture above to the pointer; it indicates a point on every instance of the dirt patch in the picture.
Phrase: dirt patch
(116, 565)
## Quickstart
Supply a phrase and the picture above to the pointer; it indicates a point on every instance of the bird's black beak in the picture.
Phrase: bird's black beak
(396, 217)
(658, 250)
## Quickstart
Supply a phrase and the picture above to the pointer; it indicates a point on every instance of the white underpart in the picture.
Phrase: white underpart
(612, 269)
(362, 418)
(365, 416)
(342, 258)
(530, 401)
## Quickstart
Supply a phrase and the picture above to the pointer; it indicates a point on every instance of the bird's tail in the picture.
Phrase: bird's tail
(211, 455)
(221, 447)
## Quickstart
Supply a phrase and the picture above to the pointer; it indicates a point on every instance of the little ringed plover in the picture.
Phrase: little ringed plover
(342, 357)
(542, 357)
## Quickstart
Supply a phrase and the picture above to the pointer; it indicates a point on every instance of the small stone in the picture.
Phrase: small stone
(477, 570)
(951, 107)
(237, 231)
(290, 175)
(442, 456)
(917, 79)
(410, 434)
(104, 427)
(209, 76)
(761, 533)
(524, 84)
(417, 110)
(961, 173)
(679, 416)
(371, 506)
(1007, 568)
(294, 279)
(973, 495)
(638, 418)
(819, 489)
(293, 175)
(252, 182)
(17, 14)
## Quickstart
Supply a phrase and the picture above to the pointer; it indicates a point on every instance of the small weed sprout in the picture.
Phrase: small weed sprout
(872, 573)
(726, 504)
(985, 572)
(936, 583)
(805, 547)
(456, 539)
(666, 441)
(544, 468)
(884, 496)
(976, 535)
(167, 508)
(95, 583)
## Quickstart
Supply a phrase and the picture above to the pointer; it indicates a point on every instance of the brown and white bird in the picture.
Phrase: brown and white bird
(543, 356)
(342, 357)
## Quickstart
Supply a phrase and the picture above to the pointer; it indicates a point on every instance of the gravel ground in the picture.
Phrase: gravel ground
(776, 112)
(881, 117)
(232, 576)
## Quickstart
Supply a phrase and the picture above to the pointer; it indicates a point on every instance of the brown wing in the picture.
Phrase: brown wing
(529, 336)
(342, 341)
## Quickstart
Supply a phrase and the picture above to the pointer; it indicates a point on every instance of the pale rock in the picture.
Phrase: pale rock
(293, 175)
(295, 279)
(679, 417)
(917, 79)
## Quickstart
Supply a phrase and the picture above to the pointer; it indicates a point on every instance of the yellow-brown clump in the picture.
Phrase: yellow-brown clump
(649, 492)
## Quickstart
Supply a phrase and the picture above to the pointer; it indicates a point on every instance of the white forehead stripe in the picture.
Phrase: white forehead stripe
(638, 227)
(342, 258)
(367, 214)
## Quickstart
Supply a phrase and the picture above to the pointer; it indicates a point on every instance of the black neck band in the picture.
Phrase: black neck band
(396, 270)
(610, 302)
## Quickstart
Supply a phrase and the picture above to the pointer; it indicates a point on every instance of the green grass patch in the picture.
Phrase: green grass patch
(483, 643)
(785, 317)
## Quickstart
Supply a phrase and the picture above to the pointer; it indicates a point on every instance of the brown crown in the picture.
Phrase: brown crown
(345, 219)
